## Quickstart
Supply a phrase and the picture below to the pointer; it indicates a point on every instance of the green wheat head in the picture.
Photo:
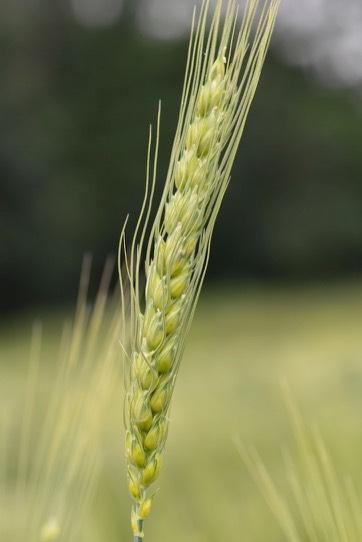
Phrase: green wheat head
(223, 68)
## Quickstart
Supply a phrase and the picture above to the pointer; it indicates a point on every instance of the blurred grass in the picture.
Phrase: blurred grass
(243, 342)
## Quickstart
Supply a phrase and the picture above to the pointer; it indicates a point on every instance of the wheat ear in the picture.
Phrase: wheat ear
(222, 73)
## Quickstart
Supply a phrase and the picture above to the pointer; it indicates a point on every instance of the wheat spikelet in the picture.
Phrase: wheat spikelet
(220, 83)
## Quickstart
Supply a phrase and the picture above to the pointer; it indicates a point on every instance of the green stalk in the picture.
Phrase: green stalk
(138, 533)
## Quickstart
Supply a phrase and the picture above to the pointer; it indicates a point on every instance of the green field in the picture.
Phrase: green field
(243, 343)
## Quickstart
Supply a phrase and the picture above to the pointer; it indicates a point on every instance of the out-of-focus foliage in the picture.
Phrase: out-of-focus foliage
(228, 386)
(75, 103)
(53, 427)
(321, 504)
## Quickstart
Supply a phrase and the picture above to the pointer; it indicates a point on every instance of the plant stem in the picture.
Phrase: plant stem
(139, 536)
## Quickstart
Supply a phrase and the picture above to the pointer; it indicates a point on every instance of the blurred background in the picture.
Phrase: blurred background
(80, 83)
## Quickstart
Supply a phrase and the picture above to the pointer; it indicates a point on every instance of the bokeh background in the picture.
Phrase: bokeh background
(80, 83)
(81, 80)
